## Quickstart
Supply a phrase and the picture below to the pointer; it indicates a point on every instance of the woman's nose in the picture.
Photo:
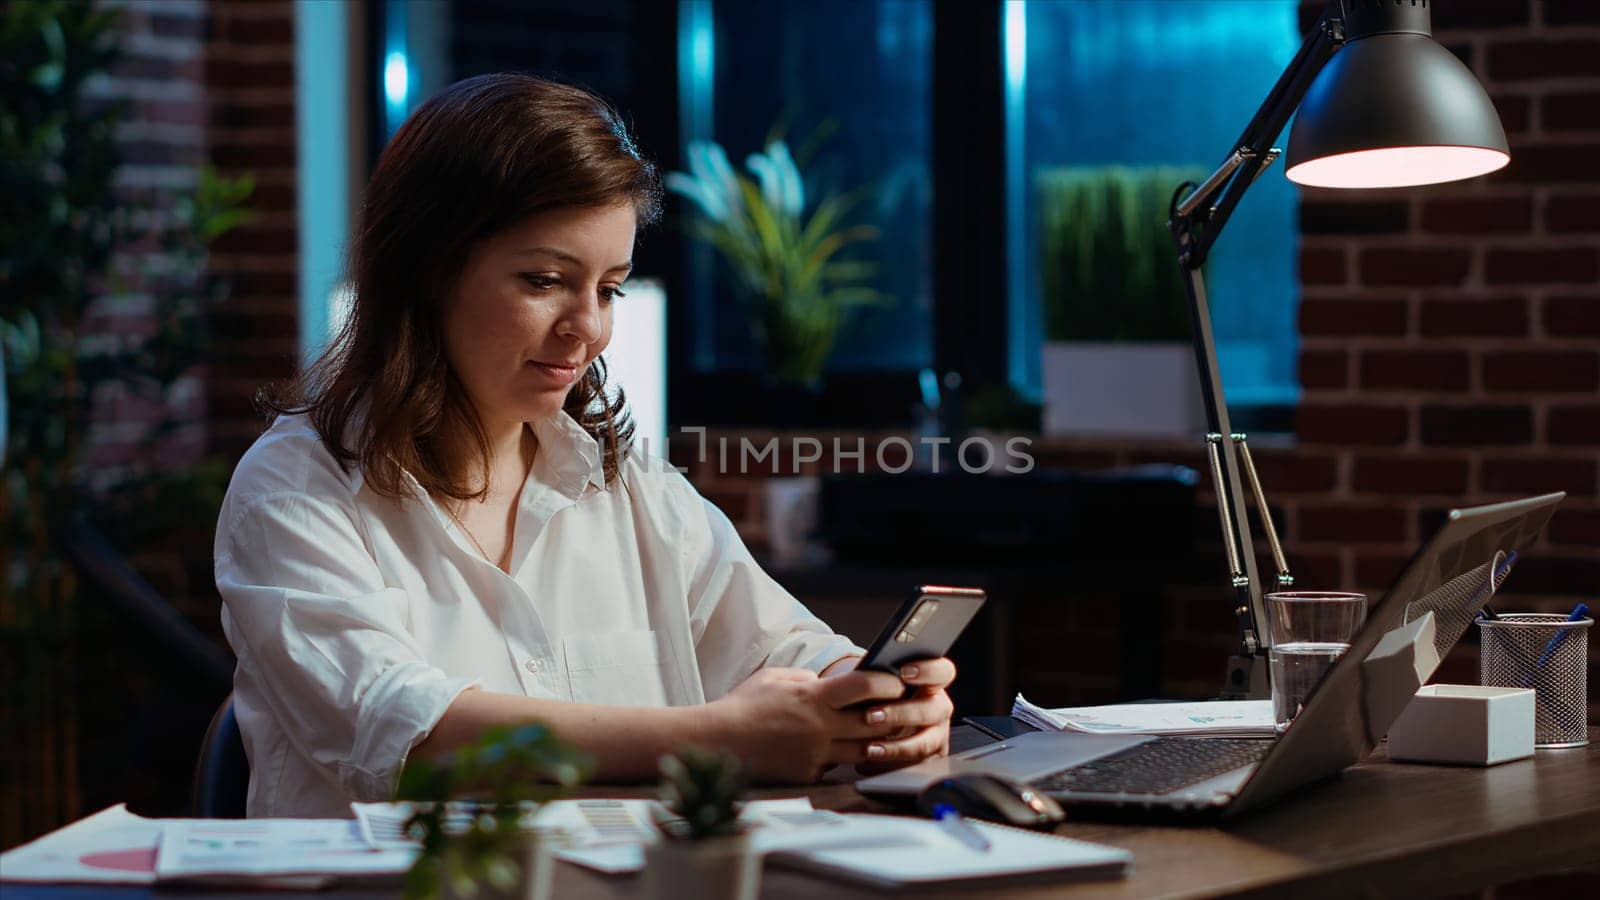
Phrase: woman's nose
(581, 319)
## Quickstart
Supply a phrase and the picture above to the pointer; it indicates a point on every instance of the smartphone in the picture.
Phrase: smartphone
(924, 627)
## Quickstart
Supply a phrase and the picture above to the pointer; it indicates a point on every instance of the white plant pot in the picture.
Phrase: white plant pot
(1149, 390)
(533, 852)
(717, 869)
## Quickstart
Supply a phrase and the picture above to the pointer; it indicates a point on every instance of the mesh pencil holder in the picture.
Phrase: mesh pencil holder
(1545, 652)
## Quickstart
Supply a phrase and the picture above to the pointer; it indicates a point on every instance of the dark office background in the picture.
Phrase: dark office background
(1446, 347)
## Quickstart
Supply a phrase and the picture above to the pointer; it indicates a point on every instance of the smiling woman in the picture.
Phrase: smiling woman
(447, 528)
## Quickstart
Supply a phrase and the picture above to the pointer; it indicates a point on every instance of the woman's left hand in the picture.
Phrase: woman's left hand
(917, 727)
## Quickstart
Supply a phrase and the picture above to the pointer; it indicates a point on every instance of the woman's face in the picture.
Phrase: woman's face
(532, 309)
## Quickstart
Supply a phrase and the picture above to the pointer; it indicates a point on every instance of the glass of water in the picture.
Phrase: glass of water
(1310, 629)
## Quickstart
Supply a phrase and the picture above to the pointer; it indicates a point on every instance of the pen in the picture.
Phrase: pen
(1579, 612)
(959, 828)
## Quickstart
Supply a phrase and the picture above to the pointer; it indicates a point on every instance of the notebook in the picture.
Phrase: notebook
(894, 852)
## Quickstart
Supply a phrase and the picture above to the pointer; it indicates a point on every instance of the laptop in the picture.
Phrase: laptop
(1422, 615)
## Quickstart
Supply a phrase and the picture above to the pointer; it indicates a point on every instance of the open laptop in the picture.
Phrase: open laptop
(1342, 721)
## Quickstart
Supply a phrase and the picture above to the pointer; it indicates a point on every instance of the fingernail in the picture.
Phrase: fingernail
(875, 751)
(908, 672)
(877, 716)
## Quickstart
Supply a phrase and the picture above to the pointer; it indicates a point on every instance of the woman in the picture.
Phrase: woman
(444, 529)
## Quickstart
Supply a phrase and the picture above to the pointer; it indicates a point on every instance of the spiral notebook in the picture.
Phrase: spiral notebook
(894, 852)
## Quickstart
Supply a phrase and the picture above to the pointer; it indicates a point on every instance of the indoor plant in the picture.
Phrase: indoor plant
(704, 852)
(1117, 357)
(784, 259)
(471, 813)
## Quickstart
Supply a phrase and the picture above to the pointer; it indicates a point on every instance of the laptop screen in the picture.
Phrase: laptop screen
(1400, 645)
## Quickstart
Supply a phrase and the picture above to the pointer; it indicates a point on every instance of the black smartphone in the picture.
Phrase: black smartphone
(924, 627)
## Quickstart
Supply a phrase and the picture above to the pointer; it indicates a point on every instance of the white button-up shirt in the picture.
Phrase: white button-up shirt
(357, 619)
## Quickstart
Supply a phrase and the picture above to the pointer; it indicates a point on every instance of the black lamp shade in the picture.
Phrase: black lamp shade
(1394, 110)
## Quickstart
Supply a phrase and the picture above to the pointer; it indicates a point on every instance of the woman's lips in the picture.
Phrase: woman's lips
(559, 373)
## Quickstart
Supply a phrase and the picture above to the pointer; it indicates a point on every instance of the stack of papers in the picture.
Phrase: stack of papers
(1205, 718)
(115, 846)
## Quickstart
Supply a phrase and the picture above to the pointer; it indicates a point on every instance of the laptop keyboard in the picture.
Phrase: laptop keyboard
(1157, 767)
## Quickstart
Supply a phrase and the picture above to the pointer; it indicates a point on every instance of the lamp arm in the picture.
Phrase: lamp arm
(1235, 175)
(1195, 223)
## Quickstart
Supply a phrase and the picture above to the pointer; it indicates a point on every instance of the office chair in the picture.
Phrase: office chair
(222, 773)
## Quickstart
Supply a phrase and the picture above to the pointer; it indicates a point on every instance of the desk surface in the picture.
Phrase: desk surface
(1382, 828)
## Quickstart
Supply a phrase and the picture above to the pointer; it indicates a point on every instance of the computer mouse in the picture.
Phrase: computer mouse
(985, 796)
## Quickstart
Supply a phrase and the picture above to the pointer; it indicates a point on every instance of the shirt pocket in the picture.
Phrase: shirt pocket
(620, 668)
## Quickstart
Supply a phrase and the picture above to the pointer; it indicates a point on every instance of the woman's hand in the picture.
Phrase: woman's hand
(790, 725)
(922, 719)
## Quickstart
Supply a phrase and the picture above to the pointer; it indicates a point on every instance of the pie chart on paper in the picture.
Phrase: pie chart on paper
(136, 859)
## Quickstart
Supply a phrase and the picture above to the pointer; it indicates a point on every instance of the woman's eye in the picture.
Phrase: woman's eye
(541, 282)
(611, 293)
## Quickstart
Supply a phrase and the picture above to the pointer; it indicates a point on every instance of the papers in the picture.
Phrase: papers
(926, 855)
(115, 846)
(1206, 718)
(227, 851)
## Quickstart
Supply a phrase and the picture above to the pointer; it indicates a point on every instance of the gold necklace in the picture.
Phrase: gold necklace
(468, 532)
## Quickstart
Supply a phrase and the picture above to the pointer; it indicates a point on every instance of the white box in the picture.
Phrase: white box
(1465, 724)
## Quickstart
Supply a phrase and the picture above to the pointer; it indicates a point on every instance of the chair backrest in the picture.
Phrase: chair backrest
(222, 774)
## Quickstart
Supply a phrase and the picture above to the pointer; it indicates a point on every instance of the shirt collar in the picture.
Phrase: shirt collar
(569, 458)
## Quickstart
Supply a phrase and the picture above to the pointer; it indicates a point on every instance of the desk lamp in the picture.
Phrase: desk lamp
(1381, 105)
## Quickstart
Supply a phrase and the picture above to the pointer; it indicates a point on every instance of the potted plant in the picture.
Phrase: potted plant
(705, 851)
(473, 811)
(782, 250)
(1117, 357)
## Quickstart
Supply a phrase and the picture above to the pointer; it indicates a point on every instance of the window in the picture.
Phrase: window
(1145, 83)
(861, 68)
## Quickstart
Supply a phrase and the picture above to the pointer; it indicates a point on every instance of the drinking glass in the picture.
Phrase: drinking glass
(1310, 629)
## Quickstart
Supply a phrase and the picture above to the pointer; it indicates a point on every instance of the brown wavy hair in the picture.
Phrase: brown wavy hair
(484, 154)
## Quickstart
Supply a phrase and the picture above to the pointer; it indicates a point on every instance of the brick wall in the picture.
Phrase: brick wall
(1451, 334)
(249, 86)
(211, 82)
(207, 84)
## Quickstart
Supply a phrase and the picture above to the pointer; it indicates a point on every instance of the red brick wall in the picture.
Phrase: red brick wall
(211, 83)
(1451, 334)
(251, 128)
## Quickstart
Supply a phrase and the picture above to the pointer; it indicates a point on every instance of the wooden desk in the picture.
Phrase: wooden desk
(1382, 829)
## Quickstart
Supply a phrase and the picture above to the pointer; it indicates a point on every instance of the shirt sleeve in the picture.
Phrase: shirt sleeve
(743, 620)
(322, 642)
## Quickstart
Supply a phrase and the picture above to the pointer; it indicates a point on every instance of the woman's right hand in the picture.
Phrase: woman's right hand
(789, 725)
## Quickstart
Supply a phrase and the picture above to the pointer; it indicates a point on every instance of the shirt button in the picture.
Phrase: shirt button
(533, 665)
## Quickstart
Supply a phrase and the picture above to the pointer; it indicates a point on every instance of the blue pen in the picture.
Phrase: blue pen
(959, 828)
(1579, 612)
